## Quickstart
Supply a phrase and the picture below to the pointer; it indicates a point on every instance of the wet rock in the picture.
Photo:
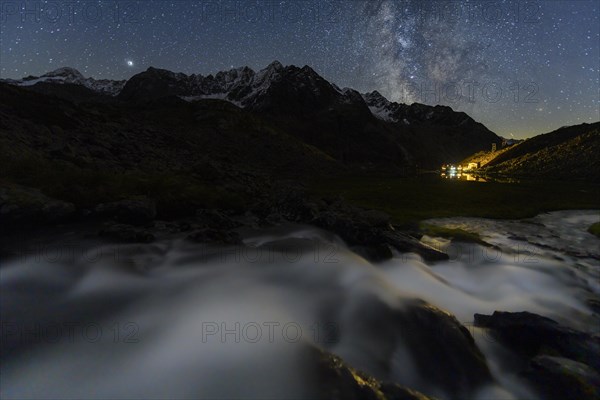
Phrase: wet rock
(563, 363)
(356, 230)
(350, 228)
(442, 353)
(130, 211)
(443, 349)
(375, 253)
(558, 378)
(517, 237)
(218, 236)
(408, 244)
(594, 304)
(124, 233)
(369, 232)
(19, 204)
(530, 334)
(338, 381)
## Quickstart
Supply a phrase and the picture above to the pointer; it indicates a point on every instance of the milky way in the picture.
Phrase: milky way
(520, 67)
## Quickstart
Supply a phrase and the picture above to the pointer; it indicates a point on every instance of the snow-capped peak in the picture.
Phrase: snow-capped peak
(264, 77)
(271, 87)
(66, 72)
(234, 78)
(375, 98)
(67, 75)
(275, 65)
(380, 107)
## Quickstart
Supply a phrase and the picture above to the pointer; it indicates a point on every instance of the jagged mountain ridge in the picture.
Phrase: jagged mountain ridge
(240, 86)
(406, 114)
(72, 76)
(349, 126)
(345, 124)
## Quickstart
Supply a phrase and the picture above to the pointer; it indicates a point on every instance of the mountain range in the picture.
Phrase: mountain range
(281, 122)
(166, 145)
(68, 75)
(350, 127)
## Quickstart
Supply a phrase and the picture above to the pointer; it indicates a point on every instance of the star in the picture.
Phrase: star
(390, 46)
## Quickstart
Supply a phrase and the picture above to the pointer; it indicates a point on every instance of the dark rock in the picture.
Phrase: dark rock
(559, 378)
(56, 210)
(337, 381)
(349, 227)
(172, 227)
(287, 204)
(516, 237)
(530, 334)
(184, 227)
(376, 218)
(393, 391)
(19, 204)
(219, 236)
(443, 349)
(370, 230)
(126, 234)
(594, 304)
(274, 219)
(130, 211)
(375, 253)
(215, 219)
(408, 244)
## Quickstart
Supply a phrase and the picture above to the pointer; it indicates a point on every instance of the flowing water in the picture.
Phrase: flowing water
(175, 319)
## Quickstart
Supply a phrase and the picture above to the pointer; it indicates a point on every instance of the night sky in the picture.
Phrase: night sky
(520, 67)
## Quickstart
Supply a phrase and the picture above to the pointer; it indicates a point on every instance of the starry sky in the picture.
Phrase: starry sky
(520, 67)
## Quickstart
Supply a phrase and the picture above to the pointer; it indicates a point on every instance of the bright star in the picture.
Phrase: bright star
(129, 63)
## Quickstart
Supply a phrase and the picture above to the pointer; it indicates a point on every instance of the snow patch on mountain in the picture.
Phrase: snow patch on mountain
(68, 75)
(215, 96)
(382, 113)
(381, 107)
(263, 79)
(252, 90)
(35, 81)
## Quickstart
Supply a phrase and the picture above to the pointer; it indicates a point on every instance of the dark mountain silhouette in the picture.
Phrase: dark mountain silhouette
(361, 130)
(567, 153)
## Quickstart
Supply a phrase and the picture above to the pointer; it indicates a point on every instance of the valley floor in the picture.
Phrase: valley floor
(411, 200)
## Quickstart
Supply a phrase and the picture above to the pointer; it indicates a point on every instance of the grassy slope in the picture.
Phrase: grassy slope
(485, 157)
(206, 154)
(567, 153)
(409, 201)
(545, 141)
